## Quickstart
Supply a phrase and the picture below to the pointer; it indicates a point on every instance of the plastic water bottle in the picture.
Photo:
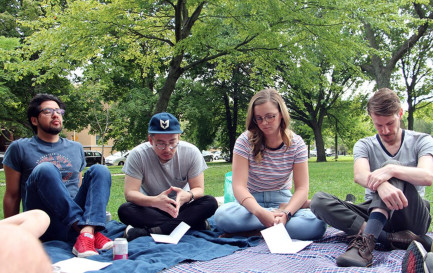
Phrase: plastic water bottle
(107, 216)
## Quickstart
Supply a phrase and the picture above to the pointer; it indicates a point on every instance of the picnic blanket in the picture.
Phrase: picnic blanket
(145, 255)
(204, 251)
(320, 256)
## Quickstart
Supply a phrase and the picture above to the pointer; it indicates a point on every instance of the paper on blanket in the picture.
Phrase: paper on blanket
(80, 265)
(279, 241)
(174, 236)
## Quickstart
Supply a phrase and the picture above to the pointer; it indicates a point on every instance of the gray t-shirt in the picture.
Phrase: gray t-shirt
(414, 145)
(156, 177)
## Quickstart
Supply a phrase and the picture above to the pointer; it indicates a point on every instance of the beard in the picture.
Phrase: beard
(50, 129)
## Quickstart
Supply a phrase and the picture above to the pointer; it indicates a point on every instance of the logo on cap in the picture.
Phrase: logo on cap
(164, 124)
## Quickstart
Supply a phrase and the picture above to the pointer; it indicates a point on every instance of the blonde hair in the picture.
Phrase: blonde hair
(256, 137)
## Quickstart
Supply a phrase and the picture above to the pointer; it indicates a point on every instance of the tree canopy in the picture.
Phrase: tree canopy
(201, 60)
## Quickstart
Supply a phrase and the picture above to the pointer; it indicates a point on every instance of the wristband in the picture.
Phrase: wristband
(192, 197)
(288, 214)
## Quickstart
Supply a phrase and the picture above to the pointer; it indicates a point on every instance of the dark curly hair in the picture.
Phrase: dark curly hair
(34, 107)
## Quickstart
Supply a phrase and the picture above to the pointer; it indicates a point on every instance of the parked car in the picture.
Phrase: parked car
(208, 156)
(93, 157)
(328, 152)
(116, 159)
(217, 155)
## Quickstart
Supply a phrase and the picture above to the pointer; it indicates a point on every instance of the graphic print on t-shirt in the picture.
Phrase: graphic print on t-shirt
(61, 162)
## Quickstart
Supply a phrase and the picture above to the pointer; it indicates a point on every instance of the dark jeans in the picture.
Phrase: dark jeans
(349, 217)
(194, 214)
(46, 191)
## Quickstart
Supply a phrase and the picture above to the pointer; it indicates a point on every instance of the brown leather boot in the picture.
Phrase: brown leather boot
(359, 253)
(402, 240)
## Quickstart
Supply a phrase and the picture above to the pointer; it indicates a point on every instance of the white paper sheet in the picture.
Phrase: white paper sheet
(80, 265)
(279, 241)
(174, 236)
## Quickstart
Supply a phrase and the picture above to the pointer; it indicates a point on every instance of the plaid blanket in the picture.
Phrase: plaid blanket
(318, 257)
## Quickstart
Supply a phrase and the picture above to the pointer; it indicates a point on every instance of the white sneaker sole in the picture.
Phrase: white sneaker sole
(107, 246)
(84, 254)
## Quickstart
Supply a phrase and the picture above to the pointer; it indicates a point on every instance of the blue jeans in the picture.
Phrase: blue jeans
(232, 217)
(46, 191)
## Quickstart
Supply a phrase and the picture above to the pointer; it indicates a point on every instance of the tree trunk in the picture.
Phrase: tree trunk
(410, 111)
(102, 152)
(383, 77)
(174, 73)
(336, 139)
(320, 145)
(231, 122)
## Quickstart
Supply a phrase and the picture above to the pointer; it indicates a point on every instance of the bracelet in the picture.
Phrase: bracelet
(192, 197)
(287, 213)
(242, 203)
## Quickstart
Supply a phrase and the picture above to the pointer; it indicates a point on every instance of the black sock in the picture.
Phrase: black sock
(375, 224)
(134, 233)
(156, 230)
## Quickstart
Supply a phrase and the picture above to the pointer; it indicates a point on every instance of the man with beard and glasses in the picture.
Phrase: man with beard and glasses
(44, 172)
(164, 183)
(394, 166)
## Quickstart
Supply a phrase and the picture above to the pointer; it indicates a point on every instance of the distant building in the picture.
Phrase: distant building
(89, 141)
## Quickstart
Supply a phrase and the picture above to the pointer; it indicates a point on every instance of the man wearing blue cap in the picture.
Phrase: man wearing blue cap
(164, 183)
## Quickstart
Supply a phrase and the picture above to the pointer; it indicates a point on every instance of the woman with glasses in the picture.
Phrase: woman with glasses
(266, 158)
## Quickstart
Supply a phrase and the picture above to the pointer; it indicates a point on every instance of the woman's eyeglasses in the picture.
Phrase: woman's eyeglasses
(267, 118)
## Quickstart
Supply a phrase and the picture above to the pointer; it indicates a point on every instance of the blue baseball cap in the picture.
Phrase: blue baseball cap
(164, 123)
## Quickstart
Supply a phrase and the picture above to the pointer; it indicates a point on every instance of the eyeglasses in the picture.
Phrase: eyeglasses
(51, 111)
(267, 118)
(161, 146)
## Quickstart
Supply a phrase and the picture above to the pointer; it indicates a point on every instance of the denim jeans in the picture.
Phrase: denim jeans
(232, 217)
(46, 191)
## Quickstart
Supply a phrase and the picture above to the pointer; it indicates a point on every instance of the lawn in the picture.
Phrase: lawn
(335, 177)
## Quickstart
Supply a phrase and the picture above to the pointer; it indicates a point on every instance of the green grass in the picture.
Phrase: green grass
(335, 177)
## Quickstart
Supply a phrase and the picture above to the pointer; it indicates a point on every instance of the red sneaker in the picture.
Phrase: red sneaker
(85, 245)
(102, 242)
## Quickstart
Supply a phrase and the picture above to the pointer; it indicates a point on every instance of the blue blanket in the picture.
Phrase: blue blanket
(147, 256)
